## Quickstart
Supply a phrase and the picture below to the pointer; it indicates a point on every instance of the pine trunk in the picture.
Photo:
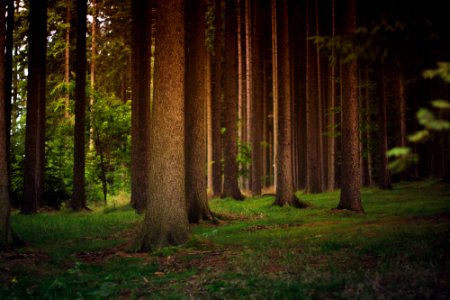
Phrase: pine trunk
(196, 197)
(166, 221)
(5, 227)
(351, 172)
(256, 99)
(230, 147)
(216, 110)
(285, 192)
(140, 104)
(78, 201)
(35, 120)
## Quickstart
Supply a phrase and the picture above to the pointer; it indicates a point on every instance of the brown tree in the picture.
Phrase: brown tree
(78, 201)
(351, 171)
(256, 99)
(6, 238)
(285, 193)
(230, 184)
(166, 221)
(216, 101)
(195, 112)
(35, 120)
(313, 181)
(67, 57)
(140, 105)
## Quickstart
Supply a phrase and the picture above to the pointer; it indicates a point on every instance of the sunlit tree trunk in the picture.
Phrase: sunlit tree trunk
(6, 238)
(351, 173)
(230, 184)
(35, 122)
(166, 221)
(195, 106)
(140, 104)
(78, 201)
(92, 75)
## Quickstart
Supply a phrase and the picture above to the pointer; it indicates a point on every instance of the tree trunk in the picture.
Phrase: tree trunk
(93, 60)
(196, 197)
(67, 59)
(384, 180)
(256, 99)
(216, 104)
(351, 171)
(274, 89)
(6, 238)
(79, 193)
(230, 147)
(35, 120)
(140, 104)
(285, 193)
(331, 159)
(313, 182)
(166, 221)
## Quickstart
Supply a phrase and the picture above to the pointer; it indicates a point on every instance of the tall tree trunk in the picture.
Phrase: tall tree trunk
(331, 159)
(6, 238)
(384, 180)
(166, 221)
(35, 123)
(274, 88)
(67, 59)
(79, 192)
(93, 60)
(230, 147)
(285, 192)
(216, 104)
(351, 171)
(256, 99)
(140, 104)
(313, 184)
(196, 197)
(9, 45)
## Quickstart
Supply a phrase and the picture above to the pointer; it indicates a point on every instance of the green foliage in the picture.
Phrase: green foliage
(244, 159)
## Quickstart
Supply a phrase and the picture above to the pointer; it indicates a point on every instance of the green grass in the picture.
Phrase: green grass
(397, 250)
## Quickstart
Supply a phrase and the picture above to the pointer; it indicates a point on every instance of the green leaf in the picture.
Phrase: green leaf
(425, 116)
(441, 104)
(419, 136)
(439, 124)
(399, 151)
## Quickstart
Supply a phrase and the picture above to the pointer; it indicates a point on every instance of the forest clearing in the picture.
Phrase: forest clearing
(397, 250)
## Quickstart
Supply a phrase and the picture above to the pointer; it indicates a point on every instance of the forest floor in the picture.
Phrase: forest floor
(399, 249)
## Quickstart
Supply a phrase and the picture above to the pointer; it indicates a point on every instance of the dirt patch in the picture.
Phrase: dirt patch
(266, 227)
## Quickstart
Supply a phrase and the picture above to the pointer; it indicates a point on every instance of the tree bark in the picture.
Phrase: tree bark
(196, 197)
(313, 181)
(256, 100)
(6, 238)
(78, 201)
(140, 103)
(351, 171)
(230, 147)
(67, 59)
(166, 221)
(216, 104)
(285, 192)
(35, 120)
